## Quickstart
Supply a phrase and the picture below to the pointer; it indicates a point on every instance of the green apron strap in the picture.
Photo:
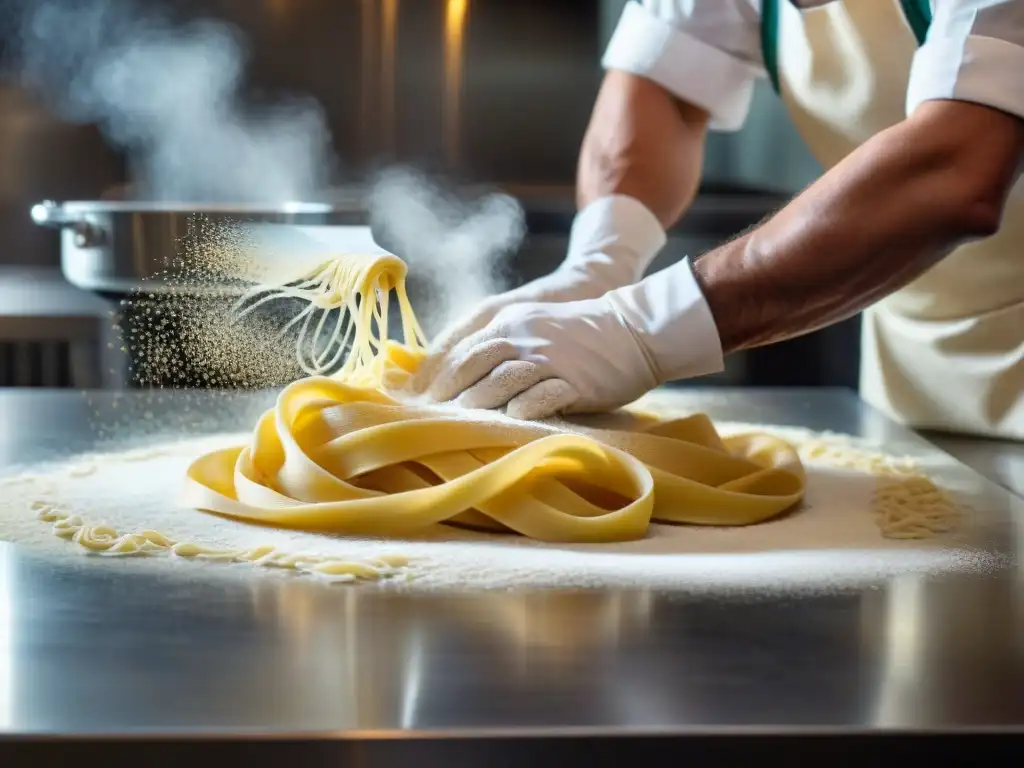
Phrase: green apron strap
(917, 12)
(919, 16)
(770, 40)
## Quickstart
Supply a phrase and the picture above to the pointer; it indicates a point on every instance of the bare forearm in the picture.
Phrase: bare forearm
(644, 143)
(883, 216)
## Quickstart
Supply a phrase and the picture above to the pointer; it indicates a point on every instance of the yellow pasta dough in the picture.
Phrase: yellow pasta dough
(354, 453)
(356, 290)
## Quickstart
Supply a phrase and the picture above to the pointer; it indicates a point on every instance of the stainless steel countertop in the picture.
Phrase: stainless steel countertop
(1001, 461)
(396, 677)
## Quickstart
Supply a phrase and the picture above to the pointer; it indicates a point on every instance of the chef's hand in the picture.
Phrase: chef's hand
(613, 241)
(540, 359)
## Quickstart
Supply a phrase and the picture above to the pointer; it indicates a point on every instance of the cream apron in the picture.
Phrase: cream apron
(944, 352)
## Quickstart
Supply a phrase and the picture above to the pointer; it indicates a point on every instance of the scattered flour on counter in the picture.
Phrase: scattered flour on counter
(832, 541)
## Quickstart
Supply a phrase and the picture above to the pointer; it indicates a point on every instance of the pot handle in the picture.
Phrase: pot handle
(51, 214)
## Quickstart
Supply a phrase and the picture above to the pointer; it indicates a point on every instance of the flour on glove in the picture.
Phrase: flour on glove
(540, 359)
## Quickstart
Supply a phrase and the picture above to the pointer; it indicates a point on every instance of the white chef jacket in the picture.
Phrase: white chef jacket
(946, 351)
(708, 53)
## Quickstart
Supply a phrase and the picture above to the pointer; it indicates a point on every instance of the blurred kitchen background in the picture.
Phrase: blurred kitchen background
(479, 92)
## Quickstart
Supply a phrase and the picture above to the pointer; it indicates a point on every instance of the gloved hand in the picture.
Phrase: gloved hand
(540, 359)
(612, 242)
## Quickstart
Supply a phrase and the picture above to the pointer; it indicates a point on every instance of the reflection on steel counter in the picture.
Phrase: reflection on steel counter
(920, 624)
(281, 656)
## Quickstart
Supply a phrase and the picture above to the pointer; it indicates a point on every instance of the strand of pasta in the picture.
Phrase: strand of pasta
(105, 540)
(906, 503)
(356, 289)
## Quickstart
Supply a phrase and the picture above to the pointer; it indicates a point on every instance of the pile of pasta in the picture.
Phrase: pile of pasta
(354, 451)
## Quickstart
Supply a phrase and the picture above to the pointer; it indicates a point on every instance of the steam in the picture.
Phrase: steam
(455, 247)
(169, 94)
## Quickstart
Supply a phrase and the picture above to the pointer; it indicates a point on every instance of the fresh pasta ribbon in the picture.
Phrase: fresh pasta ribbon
(353, 453)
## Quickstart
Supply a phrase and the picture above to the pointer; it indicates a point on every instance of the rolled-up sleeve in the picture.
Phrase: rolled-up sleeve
(974, 52)
(705, 52)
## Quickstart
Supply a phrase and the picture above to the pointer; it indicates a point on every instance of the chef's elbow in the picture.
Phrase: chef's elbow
(976, 155)
(979, 211)
(976, 221)
(977, 181)
(986, 177)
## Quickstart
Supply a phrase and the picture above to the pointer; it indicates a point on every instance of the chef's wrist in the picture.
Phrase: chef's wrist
(614, 239)
(672, 322)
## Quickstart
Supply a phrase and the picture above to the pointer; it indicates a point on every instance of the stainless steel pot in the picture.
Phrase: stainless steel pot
(121, 247)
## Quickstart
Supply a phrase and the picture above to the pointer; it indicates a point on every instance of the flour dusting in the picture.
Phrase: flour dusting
(831, 542)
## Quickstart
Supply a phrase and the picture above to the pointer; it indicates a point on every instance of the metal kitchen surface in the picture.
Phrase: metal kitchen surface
(86, 652)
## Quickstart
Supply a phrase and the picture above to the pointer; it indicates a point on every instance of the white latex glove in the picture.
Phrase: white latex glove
(612, 242)
(541, 359)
